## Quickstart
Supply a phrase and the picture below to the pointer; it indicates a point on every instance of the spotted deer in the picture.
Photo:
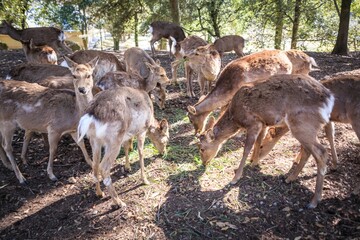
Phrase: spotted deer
(114, 117)
(206, 62)
(298, 102)
(35, 108)
(39, 54)
(51, 36)
(254, 67)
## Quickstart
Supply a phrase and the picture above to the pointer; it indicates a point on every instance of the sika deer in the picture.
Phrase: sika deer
(50, 36)
(39, 54)
(205, 61)
(253, 67)
(35, 108)
(108, 62)
(160, 29)
(230, 43)
(298, 102)
(136, 60)
(114, 117)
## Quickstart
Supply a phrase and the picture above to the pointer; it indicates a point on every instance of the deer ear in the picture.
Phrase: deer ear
(149, 66)
(191, 110)
(210, 135)
(152, 129)
(164, 125)
(94, 62)
(70, 62)
(210, 124)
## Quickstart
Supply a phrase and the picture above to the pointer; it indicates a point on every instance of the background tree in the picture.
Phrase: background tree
(341, 46)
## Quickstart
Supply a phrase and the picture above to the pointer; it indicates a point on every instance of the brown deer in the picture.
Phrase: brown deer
(298, 102)
(161, 29)
(39, 54)
(229, 43)
(136, 60)
(114, 117)
(50, 36)
(253, 67)
(204, 61)
(40, 109)
(108, 62)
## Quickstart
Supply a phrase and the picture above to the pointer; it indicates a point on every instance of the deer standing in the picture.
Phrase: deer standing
(254, 67)
(229, 43)
(35, 108)
(50, 36)
(161, 29)
(298, 102)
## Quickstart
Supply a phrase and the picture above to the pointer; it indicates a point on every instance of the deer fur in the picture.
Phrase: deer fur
(298, 102)
(203, 60)
(113, 118)
(136, 60)
(35, 108)
(108, 62)
(39, 54)
(161, 29)
(229, 43)
(51, 36)
(254, 67)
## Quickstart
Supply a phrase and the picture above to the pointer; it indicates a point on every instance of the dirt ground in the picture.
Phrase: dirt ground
(184, 200)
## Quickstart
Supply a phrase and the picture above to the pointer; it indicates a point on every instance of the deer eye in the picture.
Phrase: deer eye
(88, 76)
(162, 75)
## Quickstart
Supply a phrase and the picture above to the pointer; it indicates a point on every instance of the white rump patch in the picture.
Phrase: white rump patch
(84, 125)
(64, 64)
(100, 129)
(326, 109)
(173, 49)
(52, 57)
(151, 30)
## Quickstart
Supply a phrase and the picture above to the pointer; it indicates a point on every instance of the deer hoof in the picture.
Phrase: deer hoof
(146, 182)
(53, 178)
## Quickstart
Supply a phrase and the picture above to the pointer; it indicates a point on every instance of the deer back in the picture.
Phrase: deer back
(186, 46)
(121, 79)
(301, 62)
(229, 43)
(166, 29)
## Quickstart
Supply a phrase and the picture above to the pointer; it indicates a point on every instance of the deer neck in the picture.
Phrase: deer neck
(225, 128)
(82, 101)
(13, 32)
(150, 82)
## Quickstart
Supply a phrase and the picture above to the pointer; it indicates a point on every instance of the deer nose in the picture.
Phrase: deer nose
(82, 90)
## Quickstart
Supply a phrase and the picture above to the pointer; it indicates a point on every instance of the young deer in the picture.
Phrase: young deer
(204, 61)
(39, 54)
(298, 102)
(50, 36)
(108, 62)
(114, 117)
(160, 29)
(136, 60)
(253, 67)
(229, 43)
(35, 108)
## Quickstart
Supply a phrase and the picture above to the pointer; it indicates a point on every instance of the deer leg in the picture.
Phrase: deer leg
(188, 73)
(7, 132)
(96, 151)
(53, 144)
(251, 135)
(170, 43)
(257, 145)
(300, 163)
(27, 138)
(174, 66)
(127, 147)
(330, 132)
(4, 158)
(81, 144)
(202, 83)
(141, 141)
(152, 42)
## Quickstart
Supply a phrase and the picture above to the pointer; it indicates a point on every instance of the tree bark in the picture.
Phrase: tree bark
(136, 34)
(341, 45)
(296, 23)
(279, 24)
(175, 11)
(214, 13)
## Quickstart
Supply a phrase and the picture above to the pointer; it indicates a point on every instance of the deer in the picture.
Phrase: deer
(205, 61)
(296, 101)
(51, 36)
(108, 62)
(229, 43)
(161, 29)
(136, 60)
(35, 108)
(113, 118)
(39, 54)
(254, 67)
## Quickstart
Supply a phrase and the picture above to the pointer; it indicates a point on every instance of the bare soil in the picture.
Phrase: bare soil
(184, 200)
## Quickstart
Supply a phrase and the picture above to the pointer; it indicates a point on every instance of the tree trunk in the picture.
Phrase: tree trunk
(175, 11)
(296, 23)
(136, 34)
(341, 45)
(214, 12)
(84, 28)
(116, 43)
(279, 24)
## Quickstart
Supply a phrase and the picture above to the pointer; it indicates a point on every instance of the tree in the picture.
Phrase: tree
(341, 45)
(175, 11)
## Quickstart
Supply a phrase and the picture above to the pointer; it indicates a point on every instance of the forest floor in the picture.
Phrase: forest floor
(184, 200)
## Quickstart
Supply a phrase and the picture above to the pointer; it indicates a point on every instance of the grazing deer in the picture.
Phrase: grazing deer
(253, 67)
(35, 108)
(39, 54)
(108, 62)
(160, 29)
(230, 43)
(136, 60)
(298, 102)
(114, 117)
(203, 60)
(50, 36)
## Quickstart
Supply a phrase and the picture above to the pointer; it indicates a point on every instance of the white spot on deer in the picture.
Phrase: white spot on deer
(100, 129)
(326, 109)
(52, 57)
(64, 64)
(173, 49)
(61, 36)
(38, 104)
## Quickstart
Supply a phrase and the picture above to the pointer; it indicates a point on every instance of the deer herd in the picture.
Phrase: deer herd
(94, 94)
